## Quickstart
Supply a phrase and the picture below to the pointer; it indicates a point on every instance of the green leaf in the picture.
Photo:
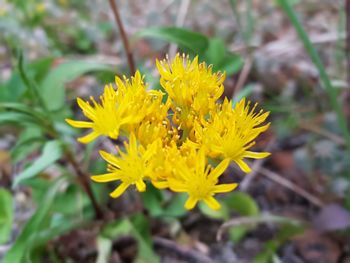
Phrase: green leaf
(13, 89)
(52, 151)
(63, 203)
(242, 203)
(16, 118)
(231, 64)
(222, 213)
(216, 51)
(6, 215)
(52, 87)
(152, 199)
(245, 205)
(21, 108)
(28, 141)
(194, 41)
(324, 77)
(39, 68)
(125, 227)
(23, 244)
(221, 59)
(176, 208)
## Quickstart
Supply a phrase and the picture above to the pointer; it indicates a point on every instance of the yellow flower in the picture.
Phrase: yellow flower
(119, 110)
(156, 123)
(229, 133)
(192, 87)
(200, 181)
(147, 132)
(131, 168)
(209, 130)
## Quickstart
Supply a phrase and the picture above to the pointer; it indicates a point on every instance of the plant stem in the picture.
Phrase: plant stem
(51, 131)
(83, 180)
(332, 93)
(124, 37)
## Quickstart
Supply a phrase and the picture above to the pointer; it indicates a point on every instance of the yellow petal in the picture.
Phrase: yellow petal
(177, 186)
(151, 149)
(120, 85)
(223, 188)
(141, 186)
(160, 184)
(212, 203)
(132, 144)
(219, 169)
(110, 158)
(114, 134)
(103, 178)
(255, 155)
(191, 202)
(87, 109)
(244, 167)
(79, 124)
(120, 190)
(88, 138)
(201, 161)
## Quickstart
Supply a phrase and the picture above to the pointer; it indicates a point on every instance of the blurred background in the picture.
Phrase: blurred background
(290, 56)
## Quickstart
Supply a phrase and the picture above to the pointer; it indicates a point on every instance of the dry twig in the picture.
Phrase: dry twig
(124, 37)
(84, 181)
(251, 221)
(331, 136)
(243, 76)
(184, 253)
(291, 186)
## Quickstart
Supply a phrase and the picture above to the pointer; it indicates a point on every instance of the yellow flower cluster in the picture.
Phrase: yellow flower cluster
(172, 137)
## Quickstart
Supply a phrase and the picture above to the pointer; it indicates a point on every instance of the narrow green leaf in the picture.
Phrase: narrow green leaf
(52, 87)
(22, 245)
(50, 232)
(311, 50)
(16, 118)
(194, 41)
(52, 151)
(21, 108)
(6, 215)
(27, 142)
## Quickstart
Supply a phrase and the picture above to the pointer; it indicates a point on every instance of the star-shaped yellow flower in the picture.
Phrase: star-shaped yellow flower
(131, 168)
(230, 133)
(200, 181)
